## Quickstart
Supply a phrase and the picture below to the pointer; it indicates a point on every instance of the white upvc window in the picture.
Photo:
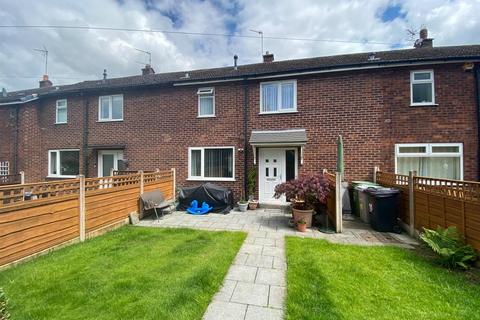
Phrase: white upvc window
(436, 160)
(422, 88)
(211, 163)
(278, 96)
(206, 102)
(110, 108)
(61, 111)
(4, 168)
(63, 163)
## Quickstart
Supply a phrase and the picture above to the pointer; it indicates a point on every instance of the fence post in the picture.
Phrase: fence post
(141, 181)
(411, 202)
(338, 202)
(375, 171)
(82, 206)
(22, 177)
(174, 191)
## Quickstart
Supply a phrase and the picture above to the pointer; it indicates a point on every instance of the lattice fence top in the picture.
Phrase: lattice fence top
(152, 177)
(93, 184)
(392, 179)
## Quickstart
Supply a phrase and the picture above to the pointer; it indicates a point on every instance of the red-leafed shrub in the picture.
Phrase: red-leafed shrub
(305, 192)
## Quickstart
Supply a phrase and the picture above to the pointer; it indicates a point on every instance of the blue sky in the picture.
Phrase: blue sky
(369, 25)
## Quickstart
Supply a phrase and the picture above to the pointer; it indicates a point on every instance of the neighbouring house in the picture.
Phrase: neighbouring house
(414, 109)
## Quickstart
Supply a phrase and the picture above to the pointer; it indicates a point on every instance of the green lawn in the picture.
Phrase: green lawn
(130, 273)
(331, 281)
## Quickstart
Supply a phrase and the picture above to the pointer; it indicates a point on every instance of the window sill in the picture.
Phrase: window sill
(424, 105)
(61, 177)
(211, 179)
(61, 123)
(278, 112)
(110, 120)
(214, 116)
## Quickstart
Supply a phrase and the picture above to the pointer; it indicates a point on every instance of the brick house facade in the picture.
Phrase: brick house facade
(369, 105)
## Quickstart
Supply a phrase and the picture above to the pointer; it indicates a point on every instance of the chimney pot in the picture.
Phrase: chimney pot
(147, 70)
(423, 41)
(45, 82)
(423, 33)
(235, 58)
(268, 57)
(104, 74)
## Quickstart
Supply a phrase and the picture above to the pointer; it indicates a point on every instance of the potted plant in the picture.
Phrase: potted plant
(242, 205)
(302, 225)
(304, 193)
(251, 181)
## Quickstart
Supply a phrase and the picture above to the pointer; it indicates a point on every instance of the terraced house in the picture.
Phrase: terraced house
(414, 109)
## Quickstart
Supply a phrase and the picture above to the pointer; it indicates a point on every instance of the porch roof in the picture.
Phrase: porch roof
(278, 137)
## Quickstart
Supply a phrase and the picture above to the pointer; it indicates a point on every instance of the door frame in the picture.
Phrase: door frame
(260, 181)
(117, 155)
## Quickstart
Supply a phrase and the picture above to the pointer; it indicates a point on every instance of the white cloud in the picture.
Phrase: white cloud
(76, 55)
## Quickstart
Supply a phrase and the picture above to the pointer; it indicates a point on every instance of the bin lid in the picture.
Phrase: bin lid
(369, 183)
(362, 187)
(382, 192)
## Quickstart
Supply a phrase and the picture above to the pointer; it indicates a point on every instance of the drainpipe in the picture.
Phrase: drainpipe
(245, 136)
(477, 91)
(85, 135)
(15, 140)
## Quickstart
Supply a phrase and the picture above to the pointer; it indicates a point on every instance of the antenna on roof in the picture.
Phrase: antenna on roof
(45, 54)
(149, 55)
(260, 32)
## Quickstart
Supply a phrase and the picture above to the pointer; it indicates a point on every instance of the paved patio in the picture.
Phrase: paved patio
(255, 285)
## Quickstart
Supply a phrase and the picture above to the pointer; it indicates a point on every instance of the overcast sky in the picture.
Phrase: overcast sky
(76, 55)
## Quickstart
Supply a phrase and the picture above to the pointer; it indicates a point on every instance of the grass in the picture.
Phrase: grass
(332, 281)
(129, 273)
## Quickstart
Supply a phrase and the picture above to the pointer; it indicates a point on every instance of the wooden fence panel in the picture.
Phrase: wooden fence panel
(331, 199)
(400, 182)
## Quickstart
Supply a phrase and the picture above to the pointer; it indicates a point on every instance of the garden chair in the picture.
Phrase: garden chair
(155, 200)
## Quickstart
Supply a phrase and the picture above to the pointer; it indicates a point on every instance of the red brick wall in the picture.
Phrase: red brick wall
(371, 109)
(7, 135)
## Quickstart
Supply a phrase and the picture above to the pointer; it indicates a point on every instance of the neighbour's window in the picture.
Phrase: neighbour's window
(63, 163)
(206, 102)
(422, 88)
(110, 108)
(279, 96)
(61, 111)
(435, 160)
(4, 168)
(211, 163)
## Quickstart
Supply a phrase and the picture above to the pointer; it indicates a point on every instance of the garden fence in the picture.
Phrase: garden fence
(431, 202)
(36, 217)
(334, 200)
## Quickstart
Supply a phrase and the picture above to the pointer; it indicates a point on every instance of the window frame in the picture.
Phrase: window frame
(110, 108)
(413, 81)
(429, 154)
(57, 108)
(202, 163)
(58, 175)
(279, 96)
(4, 167)
(203, 94)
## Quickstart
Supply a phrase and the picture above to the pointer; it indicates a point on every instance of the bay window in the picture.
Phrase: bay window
(211, 163)
(436, 160)
(278, 96)
(63, 163)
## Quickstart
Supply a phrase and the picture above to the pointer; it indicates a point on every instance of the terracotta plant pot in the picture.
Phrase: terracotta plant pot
(303, 214)
(302, 227)
(253, 204)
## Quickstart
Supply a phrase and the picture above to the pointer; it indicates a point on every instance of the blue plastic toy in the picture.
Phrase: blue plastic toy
(194, 209)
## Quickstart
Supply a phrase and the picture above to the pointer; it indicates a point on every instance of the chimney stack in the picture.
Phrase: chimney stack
(147, 70)
(423, 41)
(44, 83)
(268, 57)
(235, 59)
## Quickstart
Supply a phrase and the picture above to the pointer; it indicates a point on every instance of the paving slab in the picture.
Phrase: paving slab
(251, 294)
(220, 310)
(242, 273)
(263, 313)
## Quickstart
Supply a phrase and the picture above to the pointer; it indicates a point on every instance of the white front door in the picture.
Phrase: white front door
(271, 173)
(107, 160)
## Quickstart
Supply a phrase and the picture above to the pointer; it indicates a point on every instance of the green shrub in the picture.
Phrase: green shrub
(4, 315)
(447, 243)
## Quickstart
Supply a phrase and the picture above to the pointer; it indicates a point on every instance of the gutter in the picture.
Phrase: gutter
(477, 91)
(17, 102)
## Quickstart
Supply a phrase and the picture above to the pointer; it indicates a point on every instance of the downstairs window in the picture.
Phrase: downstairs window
(436, 160)
(215, 163)
(63, 163)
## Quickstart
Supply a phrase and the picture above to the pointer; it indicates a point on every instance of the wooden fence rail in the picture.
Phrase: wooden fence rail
(38, 217)
(436, 202)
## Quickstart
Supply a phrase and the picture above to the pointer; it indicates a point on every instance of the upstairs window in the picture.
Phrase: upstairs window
(278, 96)
(110, 108)
(63, 163)
(206, 102)
(436, 160)
(61, 111)
(212, 163)
(422, 88)
(4, 168)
